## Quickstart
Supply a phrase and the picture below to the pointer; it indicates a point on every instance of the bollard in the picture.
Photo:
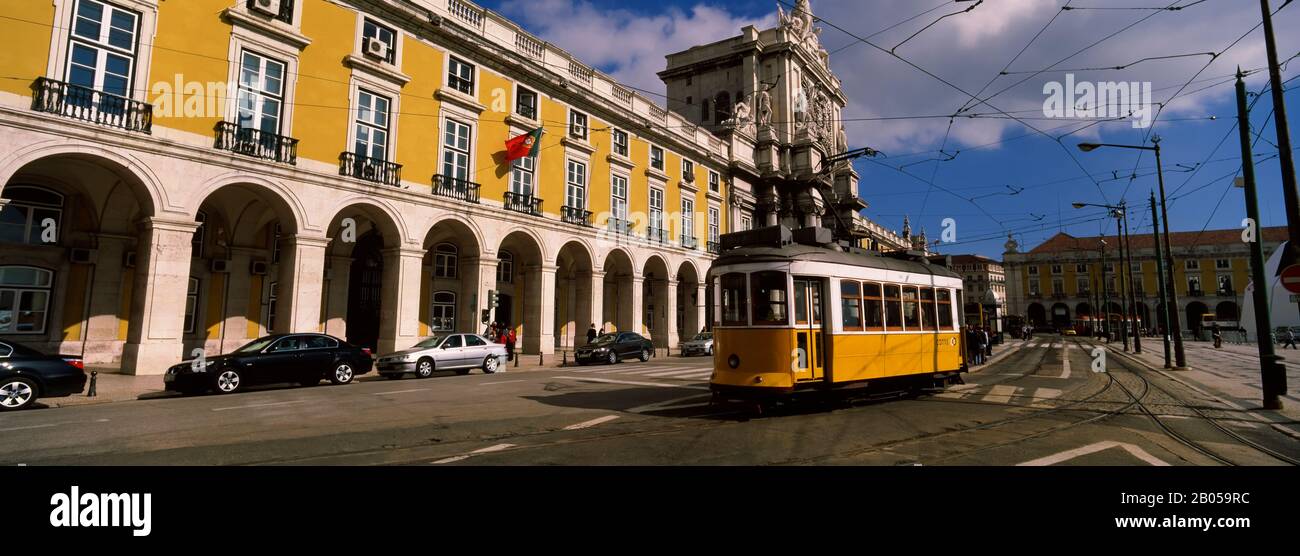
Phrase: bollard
(564, 359)
(516, 357)
(94, 377)
(541, 359)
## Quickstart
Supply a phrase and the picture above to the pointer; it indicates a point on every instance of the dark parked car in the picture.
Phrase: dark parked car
(300, 358)
(614, 347)
(27, 374)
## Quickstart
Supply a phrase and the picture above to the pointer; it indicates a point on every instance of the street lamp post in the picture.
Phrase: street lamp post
(1105, 294)
(1170, 298)
(1160, 274)
(1125, 258)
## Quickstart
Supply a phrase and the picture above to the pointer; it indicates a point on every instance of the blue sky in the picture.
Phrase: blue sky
(969, 172)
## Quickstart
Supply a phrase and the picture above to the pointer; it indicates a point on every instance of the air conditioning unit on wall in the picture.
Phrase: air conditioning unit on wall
(128, 259)
(220, 265)
(268, 7)
(258, 268)
(376, 48)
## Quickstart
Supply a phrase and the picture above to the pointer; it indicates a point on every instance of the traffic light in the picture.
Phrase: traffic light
(492, 299)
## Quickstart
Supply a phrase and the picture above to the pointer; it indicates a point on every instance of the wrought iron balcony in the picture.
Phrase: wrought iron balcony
(1035, 295)
(86, 104)
(575, 215)
(620, 226)
(285, 14)
(526, 204)
(370, 169)
(659, 235)
(456, 188)
(1058, 295)
(689, 242)
(1195, 292)
(256, 143)
(1227, 292)
(714, 247)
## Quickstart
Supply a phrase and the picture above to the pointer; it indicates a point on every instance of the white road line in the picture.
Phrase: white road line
(669, 404)
(1246, 424)
(695, 376)
(400, 391)
(646, 371)
(1000, 394)
(1093, 448)
(630, 382)
(501, 382)
(496, 448)
(1065, 361)
(957, 392)
(257, 405)
(1043, 395)
(678, 372)
(591, 423)
(29, 427)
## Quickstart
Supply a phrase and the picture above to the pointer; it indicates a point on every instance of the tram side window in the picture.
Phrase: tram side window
(734, 301)
(927, 309)
(851, 305)
(911, 309)
(945, 309)
(873, 307)
(893, 308)
(769, 289)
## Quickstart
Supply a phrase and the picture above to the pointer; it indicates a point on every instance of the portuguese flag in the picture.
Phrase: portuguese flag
(524, 145)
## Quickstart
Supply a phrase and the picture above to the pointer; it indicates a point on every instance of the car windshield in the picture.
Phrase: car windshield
(606, 339)
(704, 336)
(431, 342)
(255, 345)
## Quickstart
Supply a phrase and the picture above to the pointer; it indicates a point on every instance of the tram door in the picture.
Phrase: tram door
(809, 339)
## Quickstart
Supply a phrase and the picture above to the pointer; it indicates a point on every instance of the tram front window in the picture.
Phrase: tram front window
(769, 289)
(734, 301)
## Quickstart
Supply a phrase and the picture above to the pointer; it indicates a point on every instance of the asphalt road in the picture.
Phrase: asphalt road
(1042, 405)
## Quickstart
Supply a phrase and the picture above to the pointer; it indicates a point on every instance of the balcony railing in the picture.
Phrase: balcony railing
(456, 188)
(659, 235)
(714, 247)
(620, 226)
(1195, 292)
(526, 204)
(1035, 295)
(575, 215)
(82, 103)
(1227, 292)
(285, 14)
(256, 143)
(689, 242)
(370, 169)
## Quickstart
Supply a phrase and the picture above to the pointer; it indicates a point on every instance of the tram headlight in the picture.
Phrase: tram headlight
(733, 361)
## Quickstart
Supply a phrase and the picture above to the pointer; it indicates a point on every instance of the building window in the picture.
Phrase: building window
(506, 267)
(191, 305)
(261, 93)
(372, 30)
(688, 171)
(24, 299)
(618, 190)
(455, 151)
(746, 223)
(1192, 264)
(444, 260)
(575, 194)
(715, 224)
(704, 110)
(102, 50)
(275, 244)
(1033, 271)
(1135, 268)
(578, 125)
(442, 314)
(372, 126)
(1081, 268)
(196, 242)
(620, 142)
(1194, 285)
(272, 303)
(1108, 268)
(1225, 283)
(1056, 269)
(657, 210)
(713, 181)
(688, 218)
(1081, 286)
(1222, 264)
(460, 75)
(1058, 286)
(523, 175)
(656, 158)
(23, 219)
(526, 103)
(1033, 287)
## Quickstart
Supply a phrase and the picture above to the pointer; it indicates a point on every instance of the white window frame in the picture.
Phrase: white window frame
(17, 291)
(32, 207)
(576, 190)
(446, 257)
(357, 123)
(523, 175)
(662, 157)
(688, 171)
(1192, 264)
(506, 268)
(447, 321)
(453, 62)
(622, 148)
(191, 305)
(1227, 264)
(715, 182)
(102, 47)
(715, 224)
(394, 40)
(454, 154)
(261, 94)
(537, 102)
(579, 125)
(657, 210)
(687, 218)
(61, 41)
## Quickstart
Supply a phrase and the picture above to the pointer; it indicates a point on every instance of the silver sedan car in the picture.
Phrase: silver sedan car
(447, 352)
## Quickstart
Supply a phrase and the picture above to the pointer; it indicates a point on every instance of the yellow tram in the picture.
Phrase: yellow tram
(795, 311)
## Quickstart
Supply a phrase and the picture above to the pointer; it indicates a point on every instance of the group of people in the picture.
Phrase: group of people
(979, 344)
(502, 334)
(592, 333)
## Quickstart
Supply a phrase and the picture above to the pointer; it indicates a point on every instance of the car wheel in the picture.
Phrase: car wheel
(424, 369)
(613, 357)
(709, 351)
(229, 381)
(645, 355)
(490, 364)
(342, 374)
(17, 393)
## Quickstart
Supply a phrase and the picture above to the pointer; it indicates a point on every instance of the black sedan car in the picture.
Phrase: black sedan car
(301, 358)
(27, 374)
(614, 347)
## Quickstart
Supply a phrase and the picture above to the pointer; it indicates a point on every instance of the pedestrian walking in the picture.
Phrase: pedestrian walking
(591, 333)
(1290, 339)
(988, 344)
(510, 345)
(1217, 335)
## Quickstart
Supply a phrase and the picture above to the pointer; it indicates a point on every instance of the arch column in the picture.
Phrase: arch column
(539, 309)
(335, 293)
(480, 277)
(669, 318)
(399, 326)
(633, 299)
(592, 296)
(301, 284)
(701, 316)
(154, 341)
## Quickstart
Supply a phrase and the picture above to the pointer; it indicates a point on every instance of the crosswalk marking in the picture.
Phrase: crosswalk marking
(1065, 361)
(1000, 394)
(1043, 395)
(674, 372)
(958, 391)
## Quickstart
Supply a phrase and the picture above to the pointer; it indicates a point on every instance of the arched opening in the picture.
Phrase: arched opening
(362, 267)
(1195, 311)
(690, 302)
(574, 290)
(1060, 315)
(618, 292)
(519, 285)
(450, 283)
(655, 306)
(1036, 314)
(1226, 311)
